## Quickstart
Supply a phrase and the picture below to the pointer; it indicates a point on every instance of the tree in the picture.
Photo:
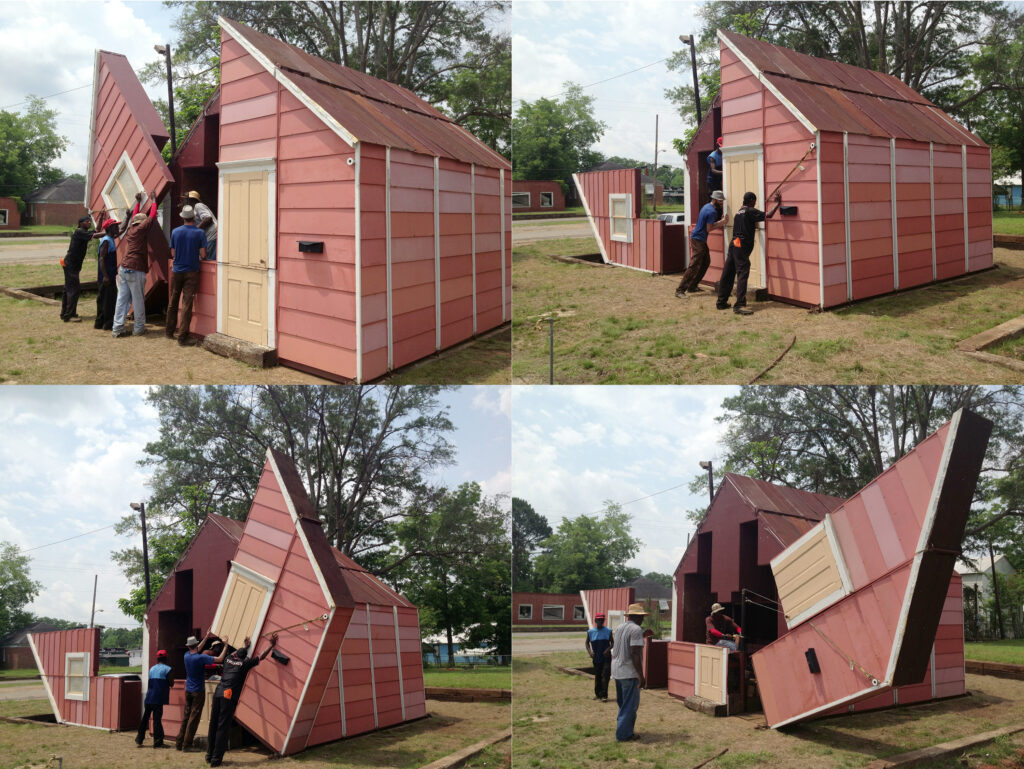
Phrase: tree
(440, 51)
(17, 589)
(165, 548)
(529, 529)
(29, 144)
(665, 580)
(554, 138)
(588, 552)
(465, 583)
(834, 440)
(121, 638)
(363, 452)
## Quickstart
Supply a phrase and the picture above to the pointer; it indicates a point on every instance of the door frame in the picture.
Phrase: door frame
(746, 149)
(226, 168)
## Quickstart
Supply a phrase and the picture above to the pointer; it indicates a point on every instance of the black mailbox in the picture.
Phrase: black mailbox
(311, 246)
(788, 210)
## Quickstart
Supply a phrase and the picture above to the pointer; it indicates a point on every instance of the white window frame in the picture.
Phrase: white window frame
(529, 614)
(252, 576)
(4, 218)
(559, 618)
(627, 198)
(519, 205)
(550, 198)
(124, 162)
(578, 613)
(68, 694)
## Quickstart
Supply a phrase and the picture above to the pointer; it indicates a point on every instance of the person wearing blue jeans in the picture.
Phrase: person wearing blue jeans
(132, 273)
(627, 670)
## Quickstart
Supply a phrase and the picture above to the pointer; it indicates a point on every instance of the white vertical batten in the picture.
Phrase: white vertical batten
(387, 254)
(398, 652)
(341, 691)
(373, 673)
(359, 269)
(895, 241)
(931, 192)
(472, 219)
(437, 253)
(846, 214)
(272, 256)
(221, 250)
(501, 206)
(821, 235)
(967, 239)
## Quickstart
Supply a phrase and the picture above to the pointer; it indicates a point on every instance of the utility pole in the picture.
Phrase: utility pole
(711, 479)
(92, 616)
(693, 62)
(995, 590)
(166, 51)
(654, 187)
(140, 507)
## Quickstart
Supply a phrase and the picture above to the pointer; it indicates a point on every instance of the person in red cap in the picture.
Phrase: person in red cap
(106, 275)
(158, 694)
(599, 647)
(715, 168)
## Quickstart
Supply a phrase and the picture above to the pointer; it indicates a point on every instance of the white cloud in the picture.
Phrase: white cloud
(493, 400)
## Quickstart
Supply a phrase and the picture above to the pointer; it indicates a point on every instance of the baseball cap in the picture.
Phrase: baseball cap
(599, 615)
(161, 653)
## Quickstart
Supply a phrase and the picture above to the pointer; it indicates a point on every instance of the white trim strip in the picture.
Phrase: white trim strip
(222, 305)
(398, 652)
(768, 84)
(846, 211)
(437, 253)
(686, 213)
(586, 608)
(45, 677)
(295, 91)
(359, 269)
(341, 689)
(268, 164)
(590, 218)
(472, 219)
(501, 205)
(299, 532)
(373, 673)
(931, 188)
(272, 257)
(126, 161)
(837, 553)
(830, 705)
(931, 662)
(967, 238)
(387, 256)
(895, 237)
(92, 129)
(305, 686)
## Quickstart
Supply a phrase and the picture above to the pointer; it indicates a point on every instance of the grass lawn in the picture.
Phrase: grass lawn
(616, 325)
(19, 673)
(558, 726)
(47, 229)
(469, 678)
(31, 275)
(1008, 222)
(534, 214)
(1011, 652)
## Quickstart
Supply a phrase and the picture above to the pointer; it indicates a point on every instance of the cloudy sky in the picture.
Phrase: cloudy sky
(68, 460)
(47, 48)
(575, 447)
(553, 42)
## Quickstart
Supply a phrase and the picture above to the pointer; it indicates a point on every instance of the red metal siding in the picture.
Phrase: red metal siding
(568, 601)
(488, 247)
(681, 669)
(607, 599)
(14, 217)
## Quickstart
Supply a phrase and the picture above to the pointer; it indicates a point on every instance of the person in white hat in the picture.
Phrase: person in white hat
(627, 670)
(711, 217)
(195, 687)
(721, 630)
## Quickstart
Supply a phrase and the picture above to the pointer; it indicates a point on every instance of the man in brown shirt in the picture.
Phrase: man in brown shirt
(132, 272)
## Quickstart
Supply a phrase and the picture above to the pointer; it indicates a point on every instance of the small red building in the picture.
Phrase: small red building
(56, 204)
(353, 643)
(10, 218)
(360, 229)
(612, 601)
(536, 195)
(539, 609)
(844, 605)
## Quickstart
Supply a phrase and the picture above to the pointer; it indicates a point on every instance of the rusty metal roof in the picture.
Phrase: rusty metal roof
(771, 498)
(370, 109)
(840, 97)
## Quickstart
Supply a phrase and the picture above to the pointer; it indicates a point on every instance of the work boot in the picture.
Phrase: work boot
(743, 311)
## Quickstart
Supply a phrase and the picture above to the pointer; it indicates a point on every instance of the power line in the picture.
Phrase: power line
(59, 93)
(613, 77)
(86, 534)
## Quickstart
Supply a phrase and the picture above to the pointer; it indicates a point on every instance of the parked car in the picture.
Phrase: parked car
(674, 218)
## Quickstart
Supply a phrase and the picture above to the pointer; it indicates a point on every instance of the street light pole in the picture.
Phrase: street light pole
(693, 63)
(140, 507)
(166, 51)
(711, 479)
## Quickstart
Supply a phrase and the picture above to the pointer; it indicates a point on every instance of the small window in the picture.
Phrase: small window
(620, 207)
(577, 613)
(553, 613)
(3, 217)
(520, 200)
(123, 184)
(76, 676)
(526, 611)
(547, 199)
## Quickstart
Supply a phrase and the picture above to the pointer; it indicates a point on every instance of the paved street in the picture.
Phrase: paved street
(534, 644)
(32, 250)
(525, 231)
(22, 690)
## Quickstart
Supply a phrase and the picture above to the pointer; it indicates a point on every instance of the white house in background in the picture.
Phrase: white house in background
(134, 657)
(979, 576)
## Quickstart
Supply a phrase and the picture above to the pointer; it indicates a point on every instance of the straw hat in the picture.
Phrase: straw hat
(717, 607)
(635, 608)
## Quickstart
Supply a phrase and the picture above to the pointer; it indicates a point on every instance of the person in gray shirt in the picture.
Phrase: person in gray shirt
(206, 221)
(627, 671)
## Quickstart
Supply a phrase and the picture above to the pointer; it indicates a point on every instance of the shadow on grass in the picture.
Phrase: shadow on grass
(385, 747)
(913, 300)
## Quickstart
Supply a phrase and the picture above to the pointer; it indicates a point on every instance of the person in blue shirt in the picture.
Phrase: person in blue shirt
(188, 248)
(599, 647)
(106, 275)
(157, 695)
(195, 688)
(715, 167)
(709, 218)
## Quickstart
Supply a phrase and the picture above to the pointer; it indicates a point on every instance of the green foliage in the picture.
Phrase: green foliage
(529, 529)
(588, 552)
(63, 624)
(165, 548)
(29, 145)
(665, 580)
(17, 589)
(446, 53)
(653, 621)
(121, 638)
(554, 138)
(451, 558)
